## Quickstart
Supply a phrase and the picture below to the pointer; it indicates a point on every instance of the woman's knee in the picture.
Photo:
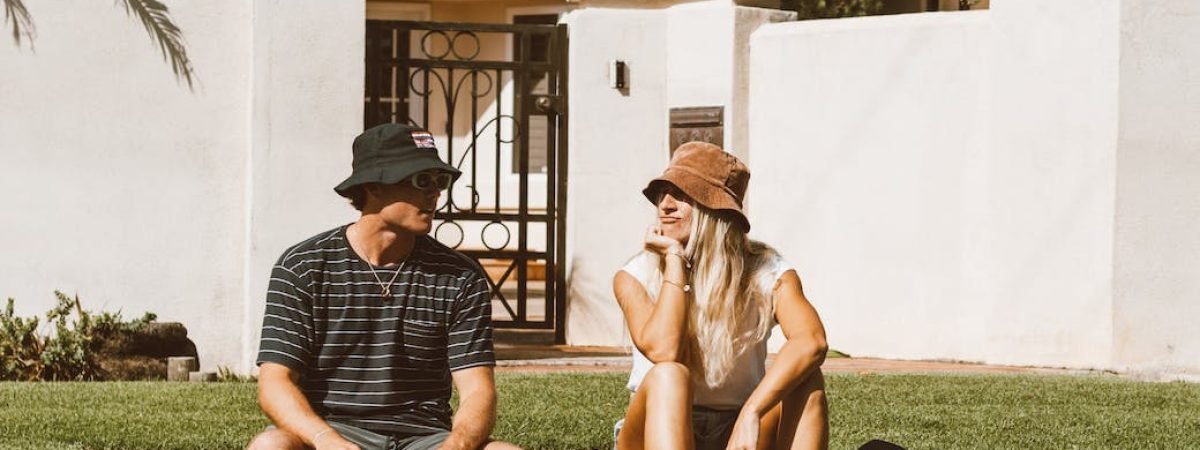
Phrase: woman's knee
(670, 373)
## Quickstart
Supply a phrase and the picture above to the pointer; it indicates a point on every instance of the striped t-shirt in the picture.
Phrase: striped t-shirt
(377, 363)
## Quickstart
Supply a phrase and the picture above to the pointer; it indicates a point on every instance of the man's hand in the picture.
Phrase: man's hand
(280, 397)
(332, 441)
(745, 431)
(476, 409)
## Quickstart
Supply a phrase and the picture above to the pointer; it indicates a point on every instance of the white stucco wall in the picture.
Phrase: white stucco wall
(116, 182)
(1045, 217)
(1157, 247)
(616, 143)
(307, 109)
(1009, 186)
(124, 187)
(685, 55)
(699, 63)
(860, 138)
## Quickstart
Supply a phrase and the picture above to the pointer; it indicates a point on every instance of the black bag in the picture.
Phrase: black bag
(876, 444)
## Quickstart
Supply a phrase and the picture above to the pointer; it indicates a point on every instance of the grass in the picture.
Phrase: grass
(576, 411)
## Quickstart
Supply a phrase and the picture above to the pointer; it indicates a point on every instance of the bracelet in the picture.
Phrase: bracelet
(319, 434)
(686, 262)
(685, 287)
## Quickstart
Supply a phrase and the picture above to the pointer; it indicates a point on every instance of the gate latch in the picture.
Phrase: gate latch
(548, 104)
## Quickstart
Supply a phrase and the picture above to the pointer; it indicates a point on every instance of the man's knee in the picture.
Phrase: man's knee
(498, 445)
(276, 439)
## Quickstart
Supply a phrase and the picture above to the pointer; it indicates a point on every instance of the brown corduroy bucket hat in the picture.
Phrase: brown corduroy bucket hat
(710, 176)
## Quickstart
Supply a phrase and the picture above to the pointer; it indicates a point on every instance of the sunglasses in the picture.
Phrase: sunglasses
(429, 181)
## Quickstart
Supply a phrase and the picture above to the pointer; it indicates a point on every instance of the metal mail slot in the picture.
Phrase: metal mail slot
(698, 123)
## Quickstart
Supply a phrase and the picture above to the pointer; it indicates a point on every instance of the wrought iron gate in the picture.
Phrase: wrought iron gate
(495, 95)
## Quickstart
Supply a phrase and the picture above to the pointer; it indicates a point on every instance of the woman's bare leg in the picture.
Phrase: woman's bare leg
(660, 412)
(801, 420)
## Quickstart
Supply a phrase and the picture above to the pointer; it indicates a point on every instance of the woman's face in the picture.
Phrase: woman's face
(675, 215)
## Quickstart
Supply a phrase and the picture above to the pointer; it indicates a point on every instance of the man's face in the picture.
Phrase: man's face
(405, 206)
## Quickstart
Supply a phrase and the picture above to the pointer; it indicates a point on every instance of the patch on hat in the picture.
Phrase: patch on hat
(423, 139)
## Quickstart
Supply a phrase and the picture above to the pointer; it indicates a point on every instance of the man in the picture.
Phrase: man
(367, 325)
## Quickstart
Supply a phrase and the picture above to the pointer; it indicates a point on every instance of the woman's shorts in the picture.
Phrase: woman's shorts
(711, 427)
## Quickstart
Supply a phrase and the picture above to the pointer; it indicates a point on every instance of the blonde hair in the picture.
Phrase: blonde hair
(729, 312)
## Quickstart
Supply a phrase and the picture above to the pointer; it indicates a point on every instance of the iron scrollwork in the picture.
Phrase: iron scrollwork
(434, 75)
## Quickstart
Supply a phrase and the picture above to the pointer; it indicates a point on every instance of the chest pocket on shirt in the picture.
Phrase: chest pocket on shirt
(425, 343)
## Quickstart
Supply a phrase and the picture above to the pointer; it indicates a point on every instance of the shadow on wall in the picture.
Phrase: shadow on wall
(593, 317)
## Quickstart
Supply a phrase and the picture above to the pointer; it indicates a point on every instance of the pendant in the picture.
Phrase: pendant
(387, 293)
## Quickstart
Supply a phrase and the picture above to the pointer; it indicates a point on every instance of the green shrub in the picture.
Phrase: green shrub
(20, 347)
(826, 9)
(70, 351)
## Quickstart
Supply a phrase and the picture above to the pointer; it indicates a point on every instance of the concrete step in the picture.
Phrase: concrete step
(511, 338)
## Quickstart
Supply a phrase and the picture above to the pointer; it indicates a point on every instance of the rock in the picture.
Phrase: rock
(180, 367)
(161, 340)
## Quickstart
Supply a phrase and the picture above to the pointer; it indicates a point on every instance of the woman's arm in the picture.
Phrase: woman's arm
(657, 328)
(800, 356)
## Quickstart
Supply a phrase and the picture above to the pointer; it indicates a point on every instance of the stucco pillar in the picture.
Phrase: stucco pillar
(693, 54)
(708, 61)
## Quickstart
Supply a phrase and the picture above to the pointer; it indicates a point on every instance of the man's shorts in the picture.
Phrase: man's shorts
(370, 440)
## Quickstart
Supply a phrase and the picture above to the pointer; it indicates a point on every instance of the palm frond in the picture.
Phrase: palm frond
(157, 19)
(22, 24)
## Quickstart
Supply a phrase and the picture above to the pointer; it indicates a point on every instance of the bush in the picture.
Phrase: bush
(70, 351)
(826, 9)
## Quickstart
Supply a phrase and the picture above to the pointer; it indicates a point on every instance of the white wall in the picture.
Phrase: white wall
(1158, 193)
(699, 62)
(616, 143)
(124, 187)
(1045, 218)
(1009, 186)
(307, 109)
(684, 55)
(860, 139)
(116, 182)
(745, 22)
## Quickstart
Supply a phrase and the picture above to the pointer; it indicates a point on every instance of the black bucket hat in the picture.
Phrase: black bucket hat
(391, 152)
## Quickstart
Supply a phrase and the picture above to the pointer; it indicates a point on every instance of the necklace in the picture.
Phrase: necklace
(386, 288)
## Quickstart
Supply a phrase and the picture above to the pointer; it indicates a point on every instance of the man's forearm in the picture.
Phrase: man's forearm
(473, 422)
(288, 408)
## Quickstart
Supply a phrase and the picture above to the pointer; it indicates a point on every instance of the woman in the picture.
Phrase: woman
(700, 302)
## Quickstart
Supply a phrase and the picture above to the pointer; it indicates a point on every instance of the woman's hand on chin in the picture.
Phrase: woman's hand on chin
(658, 243)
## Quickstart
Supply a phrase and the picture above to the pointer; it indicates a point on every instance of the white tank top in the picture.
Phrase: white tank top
(749, 367)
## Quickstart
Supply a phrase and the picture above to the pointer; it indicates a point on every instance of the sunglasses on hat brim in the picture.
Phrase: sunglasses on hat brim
(429, 181)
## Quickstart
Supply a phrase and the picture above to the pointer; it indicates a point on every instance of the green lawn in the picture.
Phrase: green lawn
(576, 411)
